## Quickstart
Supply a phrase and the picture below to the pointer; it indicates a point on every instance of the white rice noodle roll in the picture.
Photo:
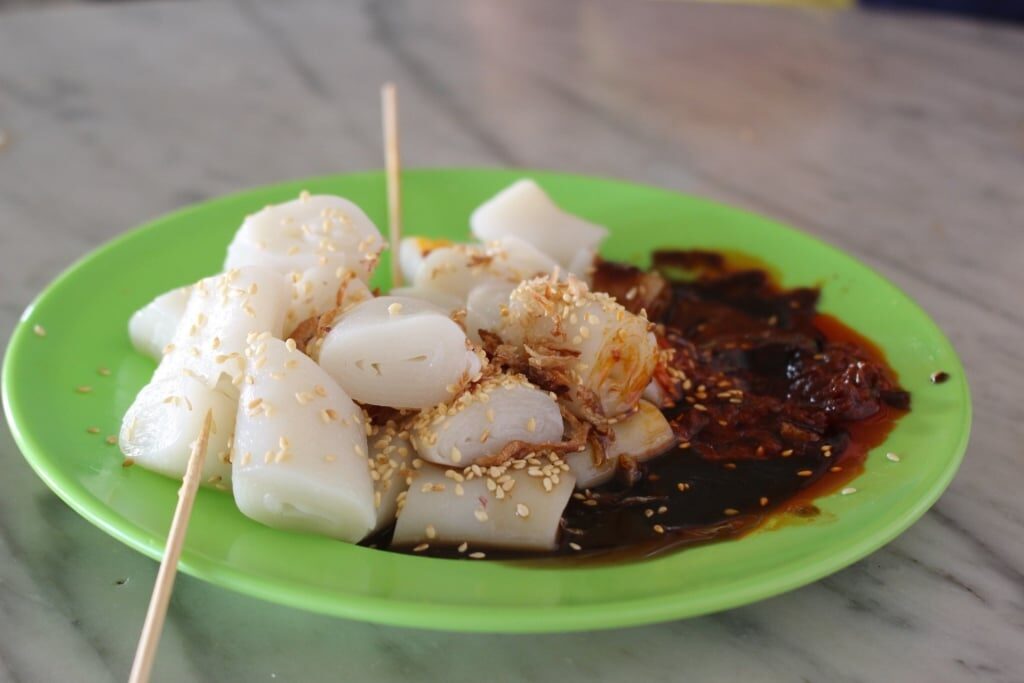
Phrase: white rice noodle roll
(311, 231)
(413, 250)
(440, 300)
(582, 264)
(484, 307)
(160, 426)
(484, 419)
(457, 269)
(391, 456)
(617, 352)
(657, 395)
(524, 210)
(399, 352)
(222, 312)
(152, 327)
(643, 435)
(513, 509)
(318, 290)
(300, 452)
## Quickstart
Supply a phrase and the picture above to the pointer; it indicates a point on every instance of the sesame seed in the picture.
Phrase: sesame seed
(430, 531)
(892, 457)
(804, 473)
(456, 455)
(700, 406)
(786, 453)
(103, 372)
(290, 343)
(848, 491)
(421, 547)
(459, 490)
(682, 486)
(84, 389)
(531, 425)
(658, 529)
(729, 512)
(763, 501)
(477, 555)
(111, 439)
(575, 546)
(481, 515)
(463, 547)
(522, 510)
(39, 330)
(128, 462)
(662, 510)
(394, 309)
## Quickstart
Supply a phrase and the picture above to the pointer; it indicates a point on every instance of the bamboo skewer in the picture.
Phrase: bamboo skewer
(154, 624)
(393, 167)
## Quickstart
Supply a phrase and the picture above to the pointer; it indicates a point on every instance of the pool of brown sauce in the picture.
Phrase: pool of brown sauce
(779, 406)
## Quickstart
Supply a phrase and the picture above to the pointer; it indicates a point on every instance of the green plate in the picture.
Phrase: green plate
(85, 312)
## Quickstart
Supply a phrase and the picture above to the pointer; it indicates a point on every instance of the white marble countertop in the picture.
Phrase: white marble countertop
(898, 138)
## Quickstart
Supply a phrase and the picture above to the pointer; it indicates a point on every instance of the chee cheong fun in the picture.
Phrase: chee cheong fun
(515, 398)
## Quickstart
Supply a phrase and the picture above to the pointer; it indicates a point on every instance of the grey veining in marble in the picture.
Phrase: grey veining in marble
(898, 138)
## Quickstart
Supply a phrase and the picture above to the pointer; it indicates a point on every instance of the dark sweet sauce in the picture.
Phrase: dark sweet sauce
(781, 405)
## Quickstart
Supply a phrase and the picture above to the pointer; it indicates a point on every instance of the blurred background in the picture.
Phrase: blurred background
(996, 10)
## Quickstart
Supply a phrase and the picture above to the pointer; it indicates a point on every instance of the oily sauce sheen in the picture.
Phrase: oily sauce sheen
(780, 405)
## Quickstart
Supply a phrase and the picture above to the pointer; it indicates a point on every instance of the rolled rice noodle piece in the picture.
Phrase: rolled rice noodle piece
(300, 452)
(413, 250)
(399, 352)
(391, 456)
(524, 210)
(484, 307)
(318, 290)
(441, 300)
(159, 427)
(605, 354)
(505, 507)
(643, 435)
(484, 419)
(308, 232)
(656, 394)
(457, 269)
(152, 327)
(582, 264)
(222, 312)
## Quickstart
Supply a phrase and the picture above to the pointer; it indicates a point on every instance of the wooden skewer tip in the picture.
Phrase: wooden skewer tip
(145, 653)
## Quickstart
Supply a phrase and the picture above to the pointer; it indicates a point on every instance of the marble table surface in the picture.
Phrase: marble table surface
(899, 138)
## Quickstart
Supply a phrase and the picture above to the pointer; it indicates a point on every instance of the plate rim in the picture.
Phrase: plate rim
(467, 617)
